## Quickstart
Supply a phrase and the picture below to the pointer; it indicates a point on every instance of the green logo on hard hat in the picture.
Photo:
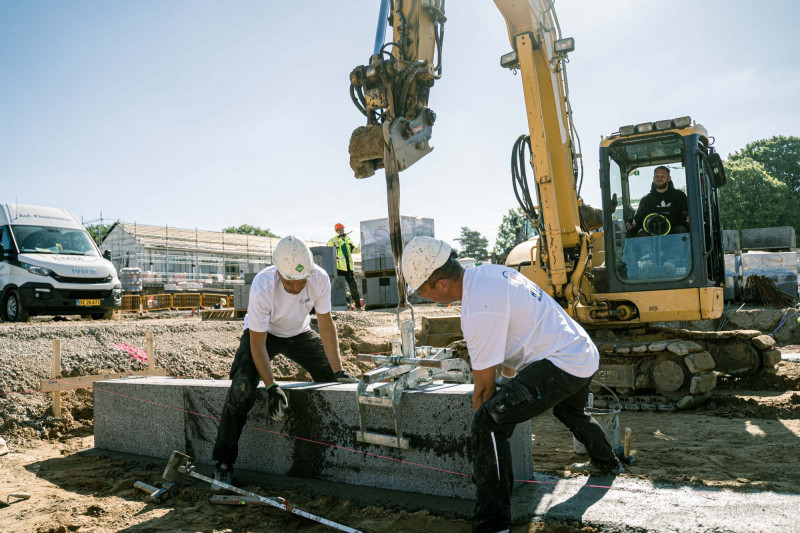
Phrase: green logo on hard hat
(299, 268)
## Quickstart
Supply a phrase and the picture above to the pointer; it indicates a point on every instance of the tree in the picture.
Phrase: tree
(98, 232)
(754, 199)
(780, 157)
(473, 244)
(510, 232)
(247, 229)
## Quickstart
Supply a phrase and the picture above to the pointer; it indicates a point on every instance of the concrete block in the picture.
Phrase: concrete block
(730, 240)
(241, 296)
(778, 238)
(325, 257)
(317, 439)
(339, 290)
(381, 292)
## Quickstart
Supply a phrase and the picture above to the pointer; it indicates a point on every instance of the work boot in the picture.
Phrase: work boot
(222, 474)
(596, 469)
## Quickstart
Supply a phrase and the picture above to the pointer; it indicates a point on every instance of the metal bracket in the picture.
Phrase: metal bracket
(408, 367)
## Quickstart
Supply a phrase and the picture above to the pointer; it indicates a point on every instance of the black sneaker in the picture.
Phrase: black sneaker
(222, 474)
(597, 470)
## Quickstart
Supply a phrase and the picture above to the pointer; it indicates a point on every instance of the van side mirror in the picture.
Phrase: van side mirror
(717, 170)
(107, 255)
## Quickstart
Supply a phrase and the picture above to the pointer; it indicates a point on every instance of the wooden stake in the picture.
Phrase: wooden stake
(56, 374)
(151, 353)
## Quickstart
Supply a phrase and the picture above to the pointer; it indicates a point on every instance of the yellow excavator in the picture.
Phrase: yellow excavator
(620, 281)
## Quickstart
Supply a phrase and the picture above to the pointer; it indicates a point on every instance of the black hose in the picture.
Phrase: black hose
(353, 93)
(406, 77)
(519, 178)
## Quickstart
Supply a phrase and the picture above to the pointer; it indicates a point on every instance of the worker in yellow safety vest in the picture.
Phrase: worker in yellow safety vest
(344, 260)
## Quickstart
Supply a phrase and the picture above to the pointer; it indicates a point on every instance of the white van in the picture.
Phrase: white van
(49, 265)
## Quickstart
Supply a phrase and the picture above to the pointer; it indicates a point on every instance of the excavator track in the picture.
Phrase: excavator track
(664, 369)
(654, 368)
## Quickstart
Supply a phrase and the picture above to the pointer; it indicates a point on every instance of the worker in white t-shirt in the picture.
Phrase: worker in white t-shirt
(508, 320)
(278, 321)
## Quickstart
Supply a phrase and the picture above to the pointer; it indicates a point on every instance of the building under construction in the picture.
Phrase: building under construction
(178, 255)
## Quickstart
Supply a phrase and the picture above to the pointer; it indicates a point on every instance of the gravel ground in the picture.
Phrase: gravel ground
(743, 439)
(185, 347)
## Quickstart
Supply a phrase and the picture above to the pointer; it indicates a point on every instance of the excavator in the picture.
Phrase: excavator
(626, 285)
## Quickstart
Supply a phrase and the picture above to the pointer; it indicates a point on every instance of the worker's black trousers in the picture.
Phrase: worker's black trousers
(537, 388)
(304, 349)
(351, 282)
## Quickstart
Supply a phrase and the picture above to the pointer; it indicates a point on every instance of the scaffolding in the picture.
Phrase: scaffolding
(178, 255)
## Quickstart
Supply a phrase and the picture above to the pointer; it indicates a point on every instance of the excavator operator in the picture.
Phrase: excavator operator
(664, 210)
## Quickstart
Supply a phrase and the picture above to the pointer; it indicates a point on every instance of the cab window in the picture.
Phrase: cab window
(651, 239)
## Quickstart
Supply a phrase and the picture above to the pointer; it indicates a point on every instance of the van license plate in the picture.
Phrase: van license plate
(88, 303)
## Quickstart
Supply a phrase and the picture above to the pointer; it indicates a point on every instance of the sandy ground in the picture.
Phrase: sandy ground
(747, 438)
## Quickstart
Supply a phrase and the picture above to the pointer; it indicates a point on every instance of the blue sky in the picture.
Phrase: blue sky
(208, 114)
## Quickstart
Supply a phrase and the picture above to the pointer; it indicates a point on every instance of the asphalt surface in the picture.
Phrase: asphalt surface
(633, 505)
(612, 505)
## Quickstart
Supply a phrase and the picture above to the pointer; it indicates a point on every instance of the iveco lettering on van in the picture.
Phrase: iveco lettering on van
(49, 265)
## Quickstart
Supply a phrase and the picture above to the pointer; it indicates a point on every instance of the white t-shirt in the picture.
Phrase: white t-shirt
(508, 319)
(276, 311)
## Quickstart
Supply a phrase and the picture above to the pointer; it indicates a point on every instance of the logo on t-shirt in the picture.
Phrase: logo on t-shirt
(516, 278)
(302, 301)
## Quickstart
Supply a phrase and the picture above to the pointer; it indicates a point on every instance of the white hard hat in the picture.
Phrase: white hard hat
(293, 258)
(421, 257)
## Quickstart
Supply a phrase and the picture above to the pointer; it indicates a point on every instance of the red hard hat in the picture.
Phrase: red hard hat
(338, 226)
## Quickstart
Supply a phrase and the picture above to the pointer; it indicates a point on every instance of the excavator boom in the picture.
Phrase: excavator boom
(614, 282)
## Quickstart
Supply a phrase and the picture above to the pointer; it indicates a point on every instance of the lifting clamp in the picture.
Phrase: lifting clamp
(409, 367)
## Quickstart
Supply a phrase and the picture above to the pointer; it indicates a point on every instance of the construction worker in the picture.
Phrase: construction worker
(344, 260)
(278, 321)
(508, 320)
(666, 205)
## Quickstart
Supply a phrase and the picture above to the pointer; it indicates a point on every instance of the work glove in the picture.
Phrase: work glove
(277, 402)
(343, 376)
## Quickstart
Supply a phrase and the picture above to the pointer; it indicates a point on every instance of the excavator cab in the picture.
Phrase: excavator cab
(671, 240)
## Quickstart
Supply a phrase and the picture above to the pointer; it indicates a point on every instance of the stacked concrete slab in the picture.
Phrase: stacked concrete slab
(317, 439)
(380, 283)
(771, 253)
(733, 265)
(780, 238)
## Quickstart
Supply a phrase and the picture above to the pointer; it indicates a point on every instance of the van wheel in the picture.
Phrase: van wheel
(13, 310)
(107, 315)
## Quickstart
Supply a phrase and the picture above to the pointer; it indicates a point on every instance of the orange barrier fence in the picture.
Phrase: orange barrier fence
(186, 301)
(211, 300)
(132, 303)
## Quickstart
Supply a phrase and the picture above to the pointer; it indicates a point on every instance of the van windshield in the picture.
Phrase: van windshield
(49, 240)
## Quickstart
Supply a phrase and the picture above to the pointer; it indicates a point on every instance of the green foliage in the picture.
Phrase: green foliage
(247, 229)
(98, 232)
(513, 224)
(754, 199)
(780, 157)
(473, 244)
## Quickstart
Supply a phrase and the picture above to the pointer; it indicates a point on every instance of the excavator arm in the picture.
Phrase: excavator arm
(392, 91)
(539, 53)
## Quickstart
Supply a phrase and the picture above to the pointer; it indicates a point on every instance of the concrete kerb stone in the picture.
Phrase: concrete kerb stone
(181, 415)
